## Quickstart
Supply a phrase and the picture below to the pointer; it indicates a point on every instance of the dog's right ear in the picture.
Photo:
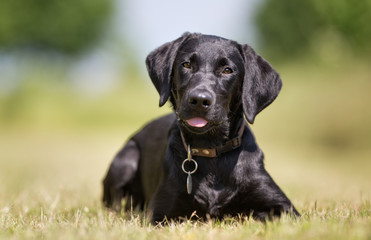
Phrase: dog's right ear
(160, 64)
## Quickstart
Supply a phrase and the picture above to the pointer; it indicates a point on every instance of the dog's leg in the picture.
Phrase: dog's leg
(162, 203)
(166, 205)
(270, 201)
(122, 171)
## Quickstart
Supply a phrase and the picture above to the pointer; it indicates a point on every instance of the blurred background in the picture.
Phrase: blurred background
(73, 87)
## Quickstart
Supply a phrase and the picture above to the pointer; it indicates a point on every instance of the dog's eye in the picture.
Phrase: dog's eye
(186, 65)
(227, 70)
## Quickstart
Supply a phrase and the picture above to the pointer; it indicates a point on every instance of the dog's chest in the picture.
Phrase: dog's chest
(215, 191)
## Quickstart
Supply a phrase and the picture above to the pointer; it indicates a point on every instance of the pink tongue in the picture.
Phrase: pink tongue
(197, 122)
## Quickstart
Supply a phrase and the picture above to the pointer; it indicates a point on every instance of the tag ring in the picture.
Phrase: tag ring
(189, 160)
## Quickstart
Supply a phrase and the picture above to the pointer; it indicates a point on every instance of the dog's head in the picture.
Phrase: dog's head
(211, 80)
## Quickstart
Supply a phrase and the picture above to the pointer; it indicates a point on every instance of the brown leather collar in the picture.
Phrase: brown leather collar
(214, 152)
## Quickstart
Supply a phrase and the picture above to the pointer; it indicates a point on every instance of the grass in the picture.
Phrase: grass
(50, 221)
(56, 144)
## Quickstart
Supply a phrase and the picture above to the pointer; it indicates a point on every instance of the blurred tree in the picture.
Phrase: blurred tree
(291, 27)
(67, 26)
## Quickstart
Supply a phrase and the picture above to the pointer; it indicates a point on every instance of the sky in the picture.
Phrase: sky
(148, 24)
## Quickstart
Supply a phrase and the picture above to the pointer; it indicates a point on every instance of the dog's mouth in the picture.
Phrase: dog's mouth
(198, 125)
(197, 122)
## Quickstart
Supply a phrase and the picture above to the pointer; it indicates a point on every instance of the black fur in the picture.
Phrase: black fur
(218, 80)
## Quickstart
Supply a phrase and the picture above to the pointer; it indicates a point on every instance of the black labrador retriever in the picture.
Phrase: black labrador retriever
(203, 159)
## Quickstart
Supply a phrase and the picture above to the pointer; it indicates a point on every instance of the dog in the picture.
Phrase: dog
(202, 159)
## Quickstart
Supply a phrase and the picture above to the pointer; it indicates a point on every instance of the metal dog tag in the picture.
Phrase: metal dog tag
(189, 183)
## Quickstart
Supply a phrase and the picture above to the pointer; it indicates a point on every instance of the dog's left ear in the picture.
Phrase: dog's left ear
(160, 64)
(261, 84)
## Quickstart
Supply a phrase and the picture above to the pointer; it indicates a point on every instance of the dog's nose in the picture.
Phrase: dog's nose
(200, 99)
